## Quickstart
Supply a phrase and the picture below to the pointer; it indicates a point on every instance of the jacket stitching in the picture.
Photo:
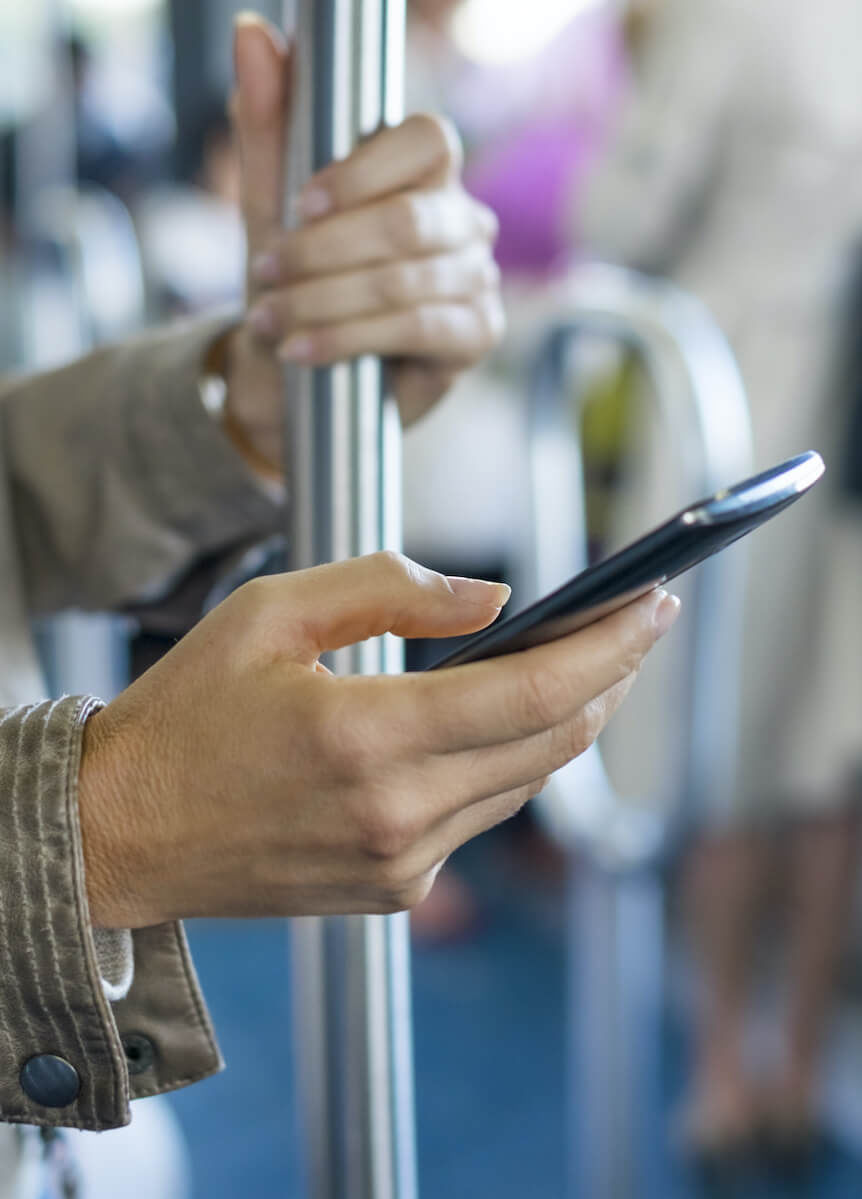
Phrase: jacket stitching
(20, 713)
(28, 1119)
(192, 990)
(81, 914)
(172, 1083)
(51, 938)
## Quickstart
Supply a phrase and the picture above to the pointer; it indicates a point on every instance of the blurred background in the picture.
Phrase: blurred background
(651, 983)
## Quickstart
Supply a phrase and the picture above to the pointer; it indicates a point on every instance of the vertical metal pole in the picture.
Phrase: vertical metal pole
(352, 997)
(616, 968)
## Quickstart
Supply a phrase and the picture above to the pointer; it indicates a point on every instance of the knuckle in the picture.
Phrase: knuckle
(393, 286)
(411, 891)
(403, 898)
(527, 793)
(296, 255)
(254, 601)
(422, 326)
(394, 565)
(593, 719)
(414, 893)
(581, 733)
(253, 594)
(404, 223)
(521, 797)
(615, 696)
(634, 650)
(539, 701)
(439, 134)
(340, 182)
(515, 801)
(393, 874)
(288, 307)
(388, 831)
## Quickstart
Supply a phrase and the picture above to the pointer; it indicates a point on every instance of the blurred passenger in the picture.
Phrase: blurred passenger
(179, 221)
(737, 170)
(119, 156)
(531, 127)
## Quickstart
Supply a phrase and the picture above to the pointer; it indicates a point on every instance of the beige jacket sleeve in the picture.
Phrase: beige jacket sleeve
(119, 479)
(113, 482)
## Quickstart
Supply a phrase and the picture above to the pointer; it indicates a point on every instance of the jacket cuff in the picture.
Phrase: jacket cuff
(65, 1056)
(199, 484)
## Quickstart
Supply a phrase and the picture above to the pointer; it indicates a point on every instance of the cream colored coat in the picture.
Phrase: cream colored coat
(737, 169)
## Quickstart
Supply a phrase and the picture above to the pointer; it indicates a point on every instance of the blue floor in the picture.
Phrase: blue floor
(489, 1018)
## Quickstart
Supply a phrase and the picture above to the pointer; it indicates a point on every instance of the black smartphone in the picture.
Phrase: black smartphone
(695, 533)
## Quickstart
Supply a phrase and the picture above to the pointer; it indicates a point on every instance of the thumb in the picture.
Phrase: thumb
(260, 109)
(347, 602)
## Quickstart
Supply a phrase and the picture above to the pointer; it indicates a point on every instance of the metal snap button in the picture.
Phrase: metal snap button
(140, 1052)
(50, 1081)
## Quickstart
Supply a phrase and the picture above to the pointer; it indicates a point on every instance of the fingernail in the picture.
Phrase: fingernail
(297, 349)
(477, 591)
(265, 268)
(665, 614)
(248, 17)
(314, 202)
(262, 321)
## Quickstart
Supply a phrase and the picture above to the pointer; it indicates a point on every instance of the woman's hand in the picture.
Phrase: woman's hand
(390, 257)
(237, 777)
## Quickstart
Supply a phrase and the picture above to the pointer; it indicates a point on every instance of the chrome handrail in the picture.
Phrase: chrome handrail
(702, 404)
(351, 974)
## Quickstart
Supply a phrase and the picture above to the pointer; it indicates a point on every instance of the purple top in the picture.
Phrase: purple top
(533, 129)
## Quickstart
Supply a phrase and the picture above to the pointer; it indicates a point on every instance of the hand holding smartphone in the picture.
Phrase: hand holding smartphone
(693, 534)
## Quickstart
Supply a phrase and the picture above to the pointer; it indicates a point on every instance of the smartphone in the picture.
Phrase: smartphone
(695, 533)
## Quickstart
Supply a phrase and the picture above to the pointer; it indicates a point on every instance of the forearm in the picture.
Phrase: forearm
(119, 478)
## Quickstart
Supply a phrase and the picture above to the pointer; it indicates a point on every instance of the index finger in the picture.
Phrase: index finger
(263, 63)
(518, 695)
(424, 149)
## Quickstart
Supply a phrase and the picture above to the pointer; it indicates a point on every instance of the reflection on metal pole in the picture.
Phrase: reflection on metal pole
(352, 1004)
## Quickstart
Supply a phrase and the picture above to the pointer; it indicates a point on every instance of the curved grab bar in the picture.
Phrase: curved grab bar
(701, 400)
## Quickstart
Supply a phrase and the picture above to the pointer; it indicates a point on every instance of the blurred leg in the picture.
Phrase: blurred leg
(723, 891)
(823, 867)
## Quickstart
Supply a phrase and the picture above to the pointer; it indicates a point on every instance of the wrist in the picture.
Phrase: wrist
(113, 850)
(257, 438)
